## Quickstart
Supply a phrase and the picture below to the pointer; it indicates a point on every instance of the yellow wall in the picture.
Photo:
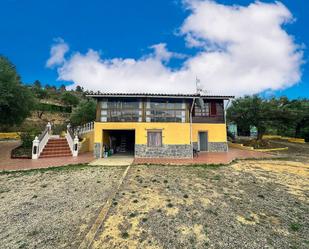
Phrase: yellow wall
(172, 133)
(9, 135)
(216, 132)
(87, 144)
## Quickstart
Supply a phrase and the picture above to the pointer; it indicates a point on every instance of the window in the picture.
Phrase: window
(159, 110)
(121, 110)
(201, 112)
(154, 138)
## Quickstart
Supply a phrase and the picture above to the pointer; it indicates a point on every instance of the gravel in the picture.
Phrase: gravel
(52, 208)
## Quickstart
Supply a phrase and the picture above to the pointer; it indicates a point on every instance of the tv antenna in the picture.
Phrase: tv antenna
(199, 87)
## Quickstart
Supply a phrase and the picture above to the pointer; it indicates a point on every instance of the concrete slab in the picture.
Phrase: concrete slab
(114, 161)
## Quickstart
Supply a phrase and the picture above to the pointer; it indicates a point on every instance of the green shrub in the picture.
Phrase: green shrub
(26, 139)
(58, 128)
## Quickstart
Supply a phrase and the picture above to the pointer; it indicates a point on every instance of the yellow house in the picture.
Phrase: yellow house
(159, 125)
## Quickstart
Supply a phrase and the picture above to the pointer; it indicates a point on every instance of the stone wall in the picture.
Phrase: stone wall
(167, 150)
(96, 150)
(217, 146)
(214, 146)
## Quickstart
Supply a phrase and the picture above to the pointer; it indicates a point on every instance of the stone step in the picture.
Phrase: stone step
(55, 155)
(56, 150)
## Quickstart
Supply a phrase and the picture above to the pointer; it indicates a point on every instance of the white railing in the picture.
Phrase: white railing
(72, 140)
(39, 143)
(82, 129)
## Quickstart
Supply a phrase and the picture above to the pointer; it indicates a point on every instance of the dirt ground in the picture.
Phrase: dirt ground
(296, 151)
(52, 208)
(249, 204)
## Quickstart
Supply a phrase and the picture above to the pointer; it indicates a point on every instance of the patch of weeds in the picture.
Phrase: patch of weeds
(50, 169)
(168, 200)
(124, 235)
(185, 196)
(115, 203)
(261, 196)
(34, 196)
(249, 218)
(295, 227)
(33, 233)
(145, 186)
(170, 205)
(87, 206)
(44, 185)
(98, 181)
(23, 245)
(144, 220)
(135, 201)
(132, 215)
(154, 180)
(217, 177)
(165, 181)
(4, 190)
(211, 211)
(159, 210)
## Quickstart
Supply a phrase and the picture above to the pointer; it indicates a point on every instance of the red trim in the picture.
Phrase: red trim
(213, 108)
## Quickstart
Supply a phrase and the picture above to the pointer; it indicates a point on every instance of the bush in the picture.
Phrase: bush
(85, 112)
(27, 138)
(52, 108)
(69, 99)
(58, 128)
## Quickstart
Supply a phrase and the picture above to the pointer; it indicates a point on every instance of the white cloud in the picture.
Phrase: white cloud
(243, 50)
(57, 52)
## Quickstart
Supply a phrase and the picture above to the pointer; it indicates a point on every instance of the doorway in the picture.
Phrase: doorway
(203, 140)
(121, 142)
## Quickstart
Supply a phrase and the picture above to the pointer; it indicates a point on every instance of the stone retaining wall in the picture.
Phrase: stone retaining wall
(167, 150)
(214, 146)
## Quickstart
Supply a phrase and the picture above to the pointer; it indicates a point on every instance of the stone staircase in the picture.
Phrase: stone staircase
(56, 147)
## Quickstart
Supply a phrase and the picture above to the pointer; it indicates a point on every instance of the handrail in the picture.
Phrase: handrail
(42, 135)
(84, 128)
(72, 140)
(39, 143)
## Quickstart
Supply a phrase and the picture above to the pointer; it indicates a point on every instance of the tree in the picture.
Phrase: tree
(85, 112)
(69, 99)
(16, 101)
(79, 89)
(293, 116)
(62, 88)
(252, 111)
(37, 84)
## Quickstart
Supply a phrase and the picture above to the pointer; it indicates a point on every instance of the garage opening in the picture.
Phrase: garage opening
(119, 142)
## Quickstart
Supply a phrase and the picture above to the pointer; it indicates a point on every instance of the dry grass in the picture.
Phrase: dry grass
(249, 204)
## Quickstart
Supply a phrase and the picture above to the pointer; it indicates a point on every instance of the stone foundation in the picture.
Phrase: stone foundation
(96, 150)
(217, 146)
(167, 150)
(214, 146)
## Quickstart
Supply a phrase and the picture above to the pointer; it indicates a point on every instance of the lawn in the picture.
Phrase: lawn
(249, 204)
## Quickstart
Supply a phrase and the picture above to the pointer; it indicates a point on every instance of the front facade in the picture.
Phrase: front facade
(159, 125)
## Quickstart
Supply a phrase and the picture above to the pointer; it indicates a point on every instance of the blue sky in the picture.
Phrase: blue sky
(115, 29)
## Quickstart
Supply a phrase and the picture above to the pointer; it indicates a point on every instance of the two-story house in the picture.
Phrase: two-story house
(159, 125)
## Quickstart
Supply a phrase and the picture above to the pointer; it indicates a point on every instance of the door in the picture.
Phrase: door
(203, 140)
